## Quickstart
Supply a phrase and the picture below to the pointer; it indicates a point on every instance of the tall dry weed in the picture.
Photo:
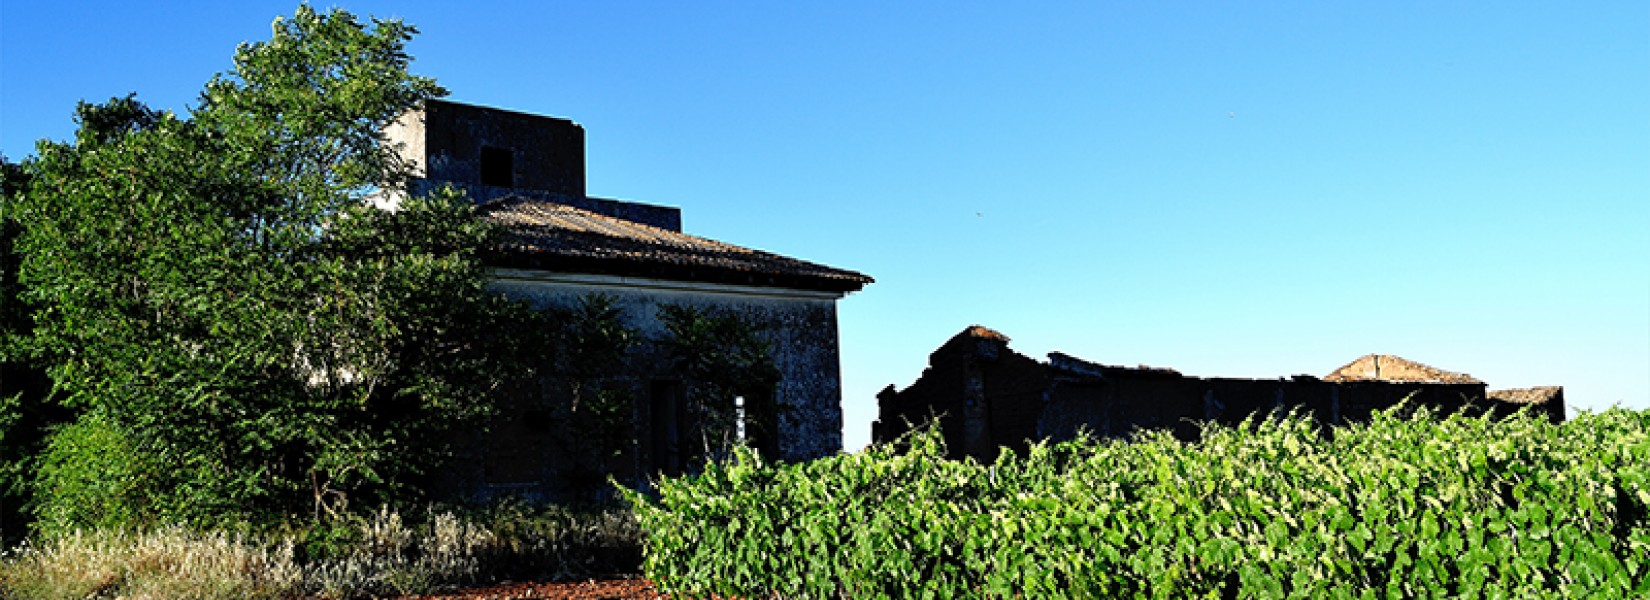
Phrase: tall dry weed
(167, 563)
(388, 557)
(395, 558)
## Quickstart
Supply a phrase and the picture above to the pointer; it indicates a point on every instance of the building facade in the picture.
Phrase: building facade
(564, 248)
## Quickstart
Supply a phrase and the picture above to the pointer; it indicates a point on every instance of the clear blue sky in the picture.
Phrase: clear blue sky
(1231, 189)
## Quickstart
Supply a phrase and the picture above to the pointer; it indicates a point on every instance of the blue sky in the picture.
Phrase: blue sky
(1230, 189)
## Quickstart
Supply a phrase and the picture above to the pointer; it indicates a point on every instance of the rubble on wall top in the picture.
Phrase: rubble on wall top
(983, 332)
(1071, 364)
(1535, 395)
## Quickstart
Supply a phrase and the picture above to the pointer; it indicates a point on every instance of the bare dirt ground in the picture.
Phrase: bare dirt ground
(608, 589)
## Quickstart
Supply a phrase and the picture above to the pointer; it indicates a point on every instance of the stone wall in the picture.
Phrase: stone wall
(447, 142)
(800, 328)
(988, 396)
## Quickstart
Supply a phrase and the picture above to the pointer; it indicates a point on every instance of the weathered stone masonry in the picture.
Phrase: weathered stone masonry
(491, 153)
(799, 327)
(987, 396)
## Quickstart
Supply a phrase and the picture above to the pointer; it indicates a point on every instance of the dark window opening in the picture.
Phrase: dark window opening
(666, 407)
(509, 458)
(498, 167)
(759, 422)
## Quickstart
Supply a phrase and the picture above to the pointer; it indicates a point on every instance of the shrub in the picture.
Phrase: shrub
(89, 476)
(220, 290)
(390, 557)
(1403, 506)
(561, 542)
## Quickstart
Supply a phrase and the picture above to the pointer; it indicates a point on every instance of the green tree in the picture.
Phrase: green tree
(24, 414)
(217, 297)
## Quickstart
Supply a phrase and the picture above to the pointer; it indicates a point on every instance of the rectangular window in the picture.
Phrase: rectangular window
(666, 406)
(498, 167)
(759, 421)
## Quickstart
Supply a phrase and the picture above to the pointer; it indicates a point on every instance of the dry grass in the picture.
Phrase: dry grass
(168, 563)
(390, 557)
(394, 558)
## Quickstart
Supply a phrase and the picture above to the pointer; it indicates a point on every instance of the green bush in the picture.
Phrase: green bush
(90, 476)
(560, 542)
(1403, 506)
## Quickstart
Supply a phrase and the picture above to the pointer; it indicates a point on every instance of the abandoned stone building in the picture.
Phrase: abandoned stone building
(987, 396)
(564, 247)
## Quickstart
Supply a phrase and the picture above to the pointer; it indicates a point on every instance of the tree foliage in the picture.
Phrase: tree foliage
(722, 356)
(591, 350)
(582, 402)
(218, 296)
(24, 414)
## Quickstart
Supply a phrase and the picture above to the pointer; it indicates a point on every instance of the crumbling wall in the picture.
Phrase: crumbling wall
(1547, 401)
(976, 373)
(1015, 391)
(984, 395)
(938, 394)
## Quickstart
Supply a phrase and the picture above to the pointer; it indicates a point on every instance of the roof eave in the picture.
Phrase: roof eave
(674, 272)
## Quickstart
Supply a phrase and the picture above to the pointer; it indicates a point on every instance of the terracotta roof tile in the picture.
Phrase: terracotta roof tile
(550, 236)
(1385, 367)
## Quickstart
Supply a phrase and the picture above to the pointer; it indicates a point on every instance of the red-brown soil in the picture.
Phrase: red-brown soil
(609, 589)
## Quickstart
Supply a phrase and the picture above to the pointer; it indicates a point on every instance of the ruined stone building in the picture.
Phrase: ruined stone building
(986, 396)
(527, 174)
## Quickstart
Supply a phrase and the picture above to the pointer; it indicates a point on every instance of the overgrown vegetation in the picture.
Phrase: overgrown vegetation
(592, 397)
(723, 357)
(591, 352)
(234, 333)
(377, 555)
(584, 401)
(24, 412)
(1403, 506)
(208, 322)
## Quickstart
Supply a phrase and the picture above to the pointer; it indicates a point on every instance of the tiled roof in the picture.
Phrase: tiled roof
(557, 237)
(1385, 367)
